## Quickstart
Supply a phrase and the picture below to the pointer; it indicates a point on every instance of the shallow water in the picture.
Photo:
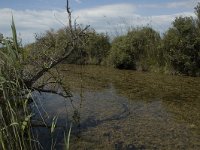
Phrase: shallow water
(121, 109)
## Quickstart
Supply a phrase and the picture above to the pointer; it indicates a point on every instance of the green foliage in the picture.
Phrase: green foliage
(52, 43)
(44, 48)
(96, 48)
(120, 56)
(182, 43)
(177, 52)
(197, 12)
(137, 50)
(14, 113)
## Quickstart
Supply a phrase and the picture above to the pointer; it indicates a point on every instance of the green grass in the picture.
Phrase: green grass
(16, 132)
(15, 116)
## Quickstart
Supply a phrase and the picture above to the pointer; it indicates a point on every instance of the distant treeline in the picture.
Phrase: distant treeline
(142, 48)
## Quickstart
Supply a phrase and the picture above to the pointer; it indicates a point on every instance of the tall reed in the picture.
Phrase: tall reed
(15, 128)
(15, 114)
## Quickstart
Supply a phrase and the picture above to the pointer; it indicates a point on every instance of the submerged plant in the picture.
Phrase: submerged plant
(67, 138)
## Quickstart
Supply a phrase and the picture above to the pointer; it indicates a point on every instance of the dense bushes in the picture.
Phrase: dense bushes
(94, 51)
(182, 43)
(97, 47)
(137, 50)
(176, 51)
(120, 56)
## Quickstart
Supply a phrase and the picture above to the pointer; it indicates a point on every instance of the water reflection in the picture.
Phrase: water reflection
(104, 119)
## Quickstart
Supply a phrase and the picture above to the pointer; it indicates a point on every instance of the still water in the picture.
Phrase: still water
(120, 110)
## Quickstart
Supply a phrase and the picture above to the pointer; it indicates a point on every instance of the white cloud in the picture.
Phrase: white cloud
(182, 4)
(113, 19)
(171, 5)
(78, 1)
(108, 10)
(29, 22)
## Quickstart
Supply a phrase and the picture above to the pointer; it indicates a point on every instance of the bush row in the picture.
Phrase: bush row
(142, 48)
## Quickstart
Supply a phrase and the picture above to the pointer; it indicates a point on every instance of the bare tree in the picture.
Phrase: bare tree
(76, 37)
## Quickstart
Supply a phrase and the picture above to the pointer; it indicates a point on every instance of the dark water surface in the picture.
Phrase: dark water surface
(121, 110)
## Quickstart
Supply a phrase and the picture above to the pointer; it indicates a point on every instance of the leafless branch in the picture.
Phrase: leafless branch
(65, 95)
(76, 38)
(69, 16)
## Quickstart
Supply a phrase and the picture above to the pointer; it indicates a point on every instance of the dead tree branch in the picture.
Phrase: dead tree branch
(71, 46)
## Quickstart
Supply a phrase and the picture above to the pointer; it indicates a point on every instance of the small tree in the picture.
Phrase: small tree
(182, 44)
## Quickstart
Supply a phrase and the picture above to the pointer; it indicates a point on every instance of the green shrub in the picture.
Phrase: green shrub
(94, 51)
(96, 48)
(182, 43)
(138, 49)
(119, 56)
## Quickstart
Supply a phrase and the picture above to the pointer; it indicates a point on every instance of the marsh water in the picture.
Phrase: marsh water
(120, 110)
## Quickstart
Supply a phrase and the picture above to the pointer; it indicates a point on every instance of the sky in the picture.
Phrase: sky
(114, 17)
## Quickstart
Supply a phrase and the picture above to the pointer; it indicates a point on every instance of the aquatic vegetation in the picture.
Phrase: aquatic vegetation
(125, 108)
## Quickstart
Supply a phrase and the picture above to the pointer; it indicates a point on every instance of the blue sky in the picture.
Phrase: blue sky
(111, 16)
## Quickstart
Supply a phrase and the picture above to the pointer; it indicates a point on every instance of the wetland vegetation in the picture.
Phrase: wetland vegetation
(76, 88)
(125, 109)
